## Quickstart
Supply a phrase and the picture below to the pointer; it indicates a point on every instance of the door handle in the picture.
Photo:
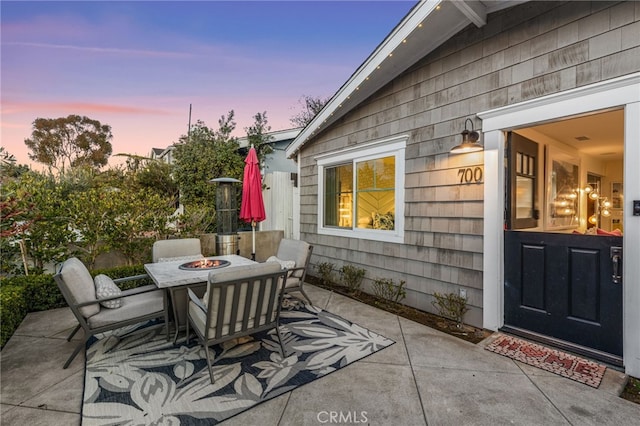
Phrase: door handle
(616, 262)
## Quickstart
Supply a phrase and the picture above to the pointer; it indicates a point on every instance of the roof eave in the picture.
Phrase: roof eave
(388, 61)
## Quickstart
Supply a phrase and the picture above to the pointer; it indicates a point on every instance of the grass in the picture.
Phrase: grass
(631, 392)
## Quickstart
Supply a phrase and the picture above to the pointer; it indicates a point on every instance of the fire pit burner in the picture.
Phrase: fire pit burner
(204, 264)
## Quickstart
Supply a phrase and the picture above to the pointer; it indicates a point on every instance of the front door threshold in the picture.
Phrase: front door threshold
(611, 359)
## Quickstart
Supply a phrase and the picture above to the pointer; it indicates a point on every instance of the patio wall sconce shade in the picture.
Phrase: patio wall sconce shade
(469, 141)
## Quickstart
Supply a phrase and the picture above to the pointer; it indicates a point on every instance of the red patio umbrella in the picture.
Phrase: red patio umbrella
(252, 207)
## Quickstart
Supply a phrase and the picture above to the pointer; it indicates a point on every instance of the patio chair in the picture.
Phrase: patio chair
(299, 252)
(176, 249)
(239, 301)
(99, 305)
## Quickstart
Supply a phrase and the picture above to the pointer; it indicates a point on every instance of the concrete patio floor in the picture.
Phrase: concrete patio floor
(426, 378)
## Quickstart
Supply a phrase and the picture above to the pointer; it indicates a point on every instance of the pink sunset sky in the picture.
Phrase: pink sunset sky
(138, 65)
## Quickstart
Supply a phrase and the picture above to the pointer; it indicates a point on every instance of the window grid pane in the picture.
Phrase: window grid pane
(338, 199)
(375, 198)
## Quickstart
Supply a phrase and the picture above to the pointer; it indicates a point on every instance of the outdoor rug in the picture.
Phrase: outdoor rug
(566, 365)
(140, 378)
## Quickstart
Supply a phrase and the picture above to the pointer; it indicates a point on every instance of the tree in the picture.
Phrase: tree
(139, 218)
(151, 174)
(155, 176)
(68, 142)
(43, 203)
(258, 137)
(8, 167)
(311, 106)
(204, 155)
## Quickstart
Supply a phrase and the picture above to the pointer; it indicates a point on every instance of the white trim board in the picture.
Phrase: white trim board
(615, 93)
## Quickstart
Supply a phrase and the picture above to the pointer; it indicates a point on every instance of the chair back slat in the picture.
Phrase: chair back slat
(222, 295)
(273, 283)
(235, 306)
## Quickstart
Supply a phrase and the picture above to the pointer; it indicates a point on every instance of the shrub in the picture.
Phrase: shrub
(325, 270)
(123, 272)
(14, 309)
(451, 306)
(386, 289)
(40, 292)
(352, 277)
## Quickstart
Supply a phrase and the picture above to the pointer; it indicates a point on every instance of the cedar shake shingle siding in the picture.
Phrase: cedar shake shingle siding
(524, 52)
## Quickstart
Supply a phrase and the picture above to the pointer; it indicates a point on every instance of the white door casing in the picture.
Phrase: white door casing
(615, 93)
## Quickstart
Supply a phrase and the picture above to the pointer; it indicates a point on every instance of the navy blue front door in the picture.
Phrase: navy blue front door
(565, 286)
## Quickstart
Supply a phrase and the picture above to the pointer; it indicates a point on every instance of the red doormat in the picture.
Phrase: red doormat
(566, 365)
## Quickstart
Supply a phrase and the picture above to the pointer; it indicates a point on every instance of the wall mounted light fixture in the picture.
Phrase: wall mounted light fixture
(469, 141)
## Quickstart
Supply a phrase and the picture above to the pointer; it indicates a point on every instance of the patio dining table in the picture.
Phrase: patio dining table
(176, 281)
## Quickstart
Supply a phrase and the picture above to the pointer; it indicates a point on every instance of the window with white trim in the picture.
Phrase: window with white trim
(361, 191)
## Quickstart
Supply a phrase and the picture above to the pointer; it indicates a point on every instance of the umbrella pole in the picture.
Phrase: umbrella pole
(253, 235)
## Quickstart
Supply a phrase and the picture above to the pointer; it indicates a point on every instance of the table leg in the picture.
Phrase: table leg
(165, 302)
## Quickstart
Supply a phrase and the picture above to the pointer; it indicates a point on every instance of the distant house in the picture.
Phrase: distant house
(529, 227)
(281, 180)
(164, 154)
(277, 161)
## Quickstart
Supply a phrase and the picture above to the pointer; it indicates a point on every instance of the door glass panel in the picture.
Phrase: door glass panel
(524, 197)
(522, 207)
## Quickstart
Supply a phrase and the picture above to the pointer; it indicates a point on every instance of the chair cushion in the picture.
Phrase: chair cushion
(284, 264)
(292, 282)
(78, 281)
(105, 287)
(176, 248)
(134, 306)
(296, 250)
(184, 258)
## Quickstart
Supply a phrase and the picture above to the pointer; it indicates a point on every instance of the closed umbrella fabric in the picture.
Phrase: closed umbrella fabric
(252, 206)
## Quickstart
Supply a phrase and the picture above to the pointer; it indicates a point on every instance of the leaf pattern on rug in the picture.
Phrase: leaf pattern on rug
(135, 377)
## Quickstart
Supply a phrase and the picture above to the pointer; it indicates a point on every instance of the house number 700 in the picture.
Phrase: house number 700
(470, 175)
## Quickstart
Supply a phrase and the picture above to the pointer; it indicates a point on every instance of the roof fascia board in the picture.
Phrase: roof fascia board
(474, 10)
(275, 136)
(402, 30)
(494, 6)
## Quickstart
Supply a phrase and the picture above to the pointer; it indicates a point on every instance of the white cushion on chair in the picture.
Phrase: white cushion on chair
(176, 248)
(132, 307)
(284, 264)
(105, 287)
(296, 250)
(78, 281)
(185, 258)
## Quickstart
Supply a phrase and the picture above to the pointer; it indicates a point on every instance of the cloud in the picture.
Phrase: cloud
(94, 49)
(86, 108)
